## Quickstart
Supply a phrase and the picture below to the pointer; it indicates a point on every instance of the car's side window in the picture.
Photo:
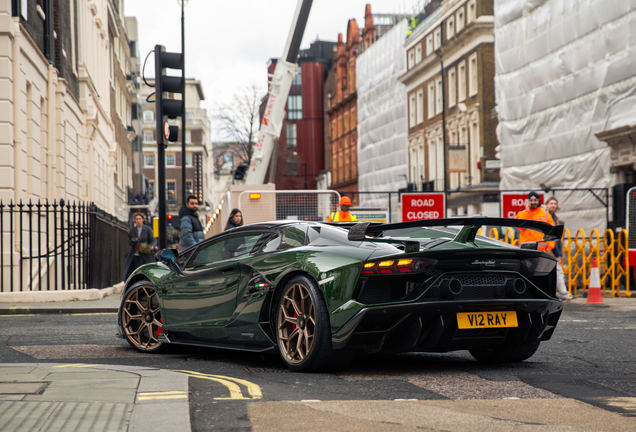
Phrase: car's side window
(294, 237)
(226, 248)
(183, 259)
(272, 243)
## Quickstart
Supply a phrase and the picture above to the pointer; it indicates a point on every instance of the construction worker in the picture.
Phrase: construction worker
(343, 214)
(534, 211)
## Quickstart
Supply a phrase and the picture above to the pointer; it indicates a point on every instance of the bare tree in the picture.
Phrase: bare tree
(239, 120)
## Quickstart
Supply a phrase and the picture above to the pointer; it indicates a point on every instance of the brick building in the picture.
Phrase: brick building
(299, 157)
(450, 100)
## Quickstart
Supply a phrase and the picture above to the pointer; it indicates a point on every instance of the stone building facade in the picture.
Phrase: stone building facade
(64, 113)
(451, 100)
(199, 179)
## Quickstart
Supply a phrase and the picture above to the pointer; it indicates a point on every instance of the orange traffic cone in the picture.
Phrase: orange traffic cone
(594, 297)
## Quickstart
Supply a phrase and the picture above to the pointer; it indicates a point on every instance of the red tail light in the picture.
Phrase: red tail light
(406, 265)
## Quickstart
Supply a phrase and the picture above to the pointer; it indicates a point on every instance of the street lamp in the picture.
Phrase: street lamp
(183, 4)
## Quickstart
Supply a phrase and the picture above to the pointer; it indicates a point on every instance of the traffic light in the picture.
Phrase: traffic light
(167, 108)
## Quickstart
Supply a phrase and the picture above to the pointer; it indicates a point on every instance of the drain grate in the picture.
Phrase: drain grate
(264, 370)
(36, 388)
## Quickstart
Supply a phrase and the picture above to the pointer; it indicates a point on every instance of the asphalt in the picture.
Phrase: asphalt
(78, 397)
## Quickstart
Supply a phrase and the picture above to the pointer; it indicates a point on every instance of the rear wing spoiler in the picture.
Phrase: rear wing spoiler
(470, 226)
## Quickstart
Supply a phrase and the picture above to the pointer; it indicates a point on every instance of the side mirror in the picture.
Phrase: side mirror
(167, 256)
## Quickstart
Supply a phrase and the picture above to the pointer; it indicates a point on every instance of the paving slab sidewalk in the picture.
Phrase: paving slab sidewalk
(71, 397)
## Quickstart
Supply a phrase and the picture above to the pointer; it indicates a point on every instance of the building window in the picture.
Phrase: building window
(189, 189)
(472, 75)
(189, 115)
(412, 110)
(188, 137)
(353, 119)
(149, 160)
(450, 27)
(418, 53)
(431, 100)
(429, 45)
(292, 139)
(452, 88)
(151, 189)
(411, 58)
(171, 191)
(438, 96)
(472, 11)
(437, 39)
(420, 106)
(149, 116)
(148, 137)
(460, 19)
(461, 78)
(188, 159)
(346, 121)
(170, 160)
(295, 107)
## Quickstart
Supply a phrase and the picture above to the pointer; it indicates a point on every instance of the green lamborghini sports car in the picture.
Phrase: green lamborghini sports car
(319, 293)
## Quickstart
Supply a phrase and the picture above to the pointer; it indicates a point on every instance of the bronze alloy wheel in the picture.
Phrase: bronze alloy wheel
(296, 323)
(141, 318)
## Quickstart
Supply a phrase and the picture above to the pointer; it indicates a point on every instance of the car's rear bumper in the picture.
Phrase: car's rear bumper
(432, 326)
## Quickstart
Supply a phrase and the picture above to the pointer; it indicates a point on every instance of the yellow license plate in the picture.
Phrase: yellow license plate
(471, 320)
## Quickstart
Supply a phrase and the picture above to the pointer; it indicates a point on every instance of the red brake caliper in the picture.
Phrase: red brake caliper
(294, 325)
(159, 329)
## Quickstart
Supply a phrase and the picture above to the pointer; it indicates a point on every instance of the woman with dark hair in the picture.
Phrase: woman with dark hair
(235, 220)
(142, 243)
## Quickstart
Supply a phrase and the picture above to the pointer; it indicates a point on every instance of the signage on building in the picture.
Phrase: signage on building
(513, 203)
(421, 206)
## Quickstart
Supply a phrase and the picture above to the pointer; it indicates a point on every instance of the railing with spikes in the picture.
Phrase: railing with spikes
(47, 246)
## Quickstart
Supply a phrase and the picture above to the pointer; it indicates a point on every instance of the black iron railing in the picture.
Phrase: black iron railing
(59, 246)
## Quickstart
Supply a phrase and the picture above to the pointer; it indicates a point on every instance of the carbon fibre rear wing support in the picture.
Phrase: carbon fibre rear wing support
(470, 226)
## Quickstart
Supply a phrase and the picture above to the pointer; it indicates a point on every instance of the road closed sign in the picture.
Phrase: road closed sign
(513, 203)
(421, 206)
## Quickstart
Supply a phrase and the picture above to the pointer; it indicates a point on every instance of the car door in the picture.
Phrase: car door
(204, 296)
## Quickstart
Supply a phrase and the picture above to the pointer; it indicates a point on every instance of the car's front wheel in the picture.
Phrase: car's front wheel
(302, 325)
(505, 354)
(140, 317)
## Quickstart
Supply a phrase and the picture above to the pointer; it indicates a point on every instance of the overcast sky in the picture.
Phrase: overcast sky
(228, 43)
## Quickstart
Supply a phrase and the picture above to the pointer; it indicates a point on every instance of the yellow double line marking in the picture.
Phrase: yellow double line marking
(253, 390)
(162, 395)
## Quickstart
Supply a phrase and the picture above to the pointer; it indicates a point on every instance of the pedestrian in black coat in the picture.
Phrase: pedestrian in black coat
(139, 234)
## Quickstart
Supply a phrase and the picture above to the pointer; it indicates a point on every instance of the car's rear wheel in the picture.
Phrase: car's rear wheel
(140, 317)
(505, 354)
(302, 325)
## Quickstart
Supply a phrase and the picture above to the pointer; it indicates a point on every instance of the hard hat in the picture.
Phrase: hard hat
(345, 201)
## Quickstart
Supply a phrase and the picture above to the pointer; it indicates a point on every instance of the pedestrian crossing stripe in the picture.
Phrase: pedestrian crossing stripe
(230, 383)
(162, 395)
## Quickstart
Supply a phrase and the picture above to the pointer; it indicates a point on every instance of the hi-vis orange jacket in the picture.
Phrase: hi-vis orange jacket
(341, 216)
(527, 235)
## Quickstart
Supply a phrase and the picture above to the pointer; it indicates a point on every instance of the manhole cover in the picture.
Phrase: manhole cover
(23, 388)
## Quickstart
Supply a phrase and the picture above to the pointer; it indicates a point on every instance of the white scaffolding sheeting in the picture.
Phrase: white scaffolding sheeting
(565, 71)
(382, 122)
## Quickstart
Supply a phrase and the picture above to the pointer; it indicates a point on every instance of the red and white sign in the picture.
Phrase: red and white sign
(513, 203)
(421, 206)
(166, 130)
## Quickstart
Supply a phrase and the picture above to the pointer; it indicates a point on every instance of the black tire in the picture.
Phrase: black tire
(505, 354)
(301, 325)
(140, 317)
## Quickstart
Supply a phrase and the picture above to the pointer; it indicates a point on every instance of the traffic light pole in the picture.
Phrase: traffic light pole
(183, 117)
(161, 148)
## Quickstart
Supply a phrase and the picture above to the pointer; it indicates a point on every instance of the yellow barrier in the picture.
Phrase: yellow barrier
(610, 252)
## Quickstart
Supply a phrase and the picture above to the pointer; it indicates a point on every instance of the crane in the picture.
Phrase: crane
(272, 123)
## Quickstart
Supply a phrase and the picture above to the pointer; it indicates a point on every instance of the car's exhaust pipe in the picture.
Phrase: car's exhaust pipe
(450, 287)
(515, 287)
